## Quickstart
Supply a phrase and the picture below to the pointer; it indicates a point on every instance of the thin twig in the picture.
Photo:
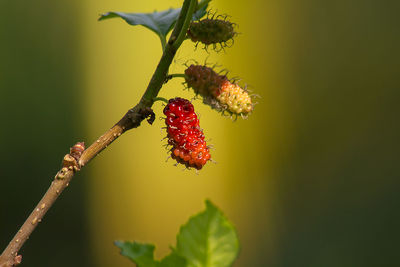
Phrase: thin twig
(10, 256)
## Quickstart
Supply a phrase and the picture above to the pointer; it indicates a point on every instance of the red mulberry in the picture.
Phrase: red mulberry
(217, 91)
(185, 135)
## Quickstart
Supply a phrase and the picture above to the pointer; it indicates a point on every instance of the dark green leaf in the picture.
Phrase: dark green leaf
(208, 239)
(159, 22)
(141, 254)
(173, 260)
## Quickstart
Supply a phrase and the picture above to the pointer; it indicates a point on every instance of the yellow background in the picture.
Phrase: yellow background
(308, 180)
(153, 194)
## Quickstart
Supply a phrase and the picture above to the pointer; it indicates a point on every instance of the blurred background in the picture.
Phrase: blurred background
(310, 179)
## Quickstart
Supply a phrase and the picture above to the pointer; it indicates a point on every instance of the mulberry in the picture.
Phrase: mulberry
(235, 98)
(212, 31)
(185, 135)
(217, 91)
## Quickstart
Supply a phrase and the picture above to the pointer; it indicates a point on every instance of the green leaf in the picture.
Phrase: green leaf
(208, 239)
(160, 23)
(141, 254)
(173, 260)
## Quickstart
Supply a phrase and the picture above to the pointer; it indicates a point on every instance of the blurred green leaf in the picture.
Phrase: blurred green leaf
(159, 22)
(173, 260)
(141, 254)
(208, 239)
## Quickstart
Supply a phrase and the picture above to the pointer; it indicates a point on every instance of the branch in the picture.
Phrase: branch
(10, 256)
(78, 157)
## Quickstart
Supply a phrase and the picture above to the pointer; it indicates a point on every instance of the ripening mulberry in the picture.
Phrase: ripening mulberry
(235, 98)
(184, 134)
(212, 31)
(217, 91)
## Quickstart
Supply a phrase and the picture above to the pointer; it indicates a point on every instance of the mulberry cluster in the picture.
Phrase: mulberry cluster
(217, 91)
(185, 135)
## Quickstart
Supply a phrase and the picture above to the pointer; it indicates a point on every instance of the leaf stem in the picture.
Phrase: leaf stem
(176, 75)
(163, 42)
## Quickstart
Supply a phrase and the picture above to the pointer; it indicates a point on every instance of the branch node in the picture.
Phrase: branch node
(138, 114)
(150, 115)
(17, 260)
(70, 161)
(77, 150)
(172, 39)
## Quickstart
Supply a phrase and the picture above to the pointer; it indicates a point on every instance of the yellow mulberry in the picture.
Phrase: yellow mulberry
(235, 98)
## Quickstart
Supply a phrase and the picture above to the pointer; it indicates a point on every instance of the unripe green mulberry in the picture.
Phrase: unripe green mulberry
(217, 91)
(212, 31)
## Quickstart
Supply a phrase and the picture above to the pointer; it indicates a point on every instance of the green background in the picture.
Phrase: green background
(310, 179)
